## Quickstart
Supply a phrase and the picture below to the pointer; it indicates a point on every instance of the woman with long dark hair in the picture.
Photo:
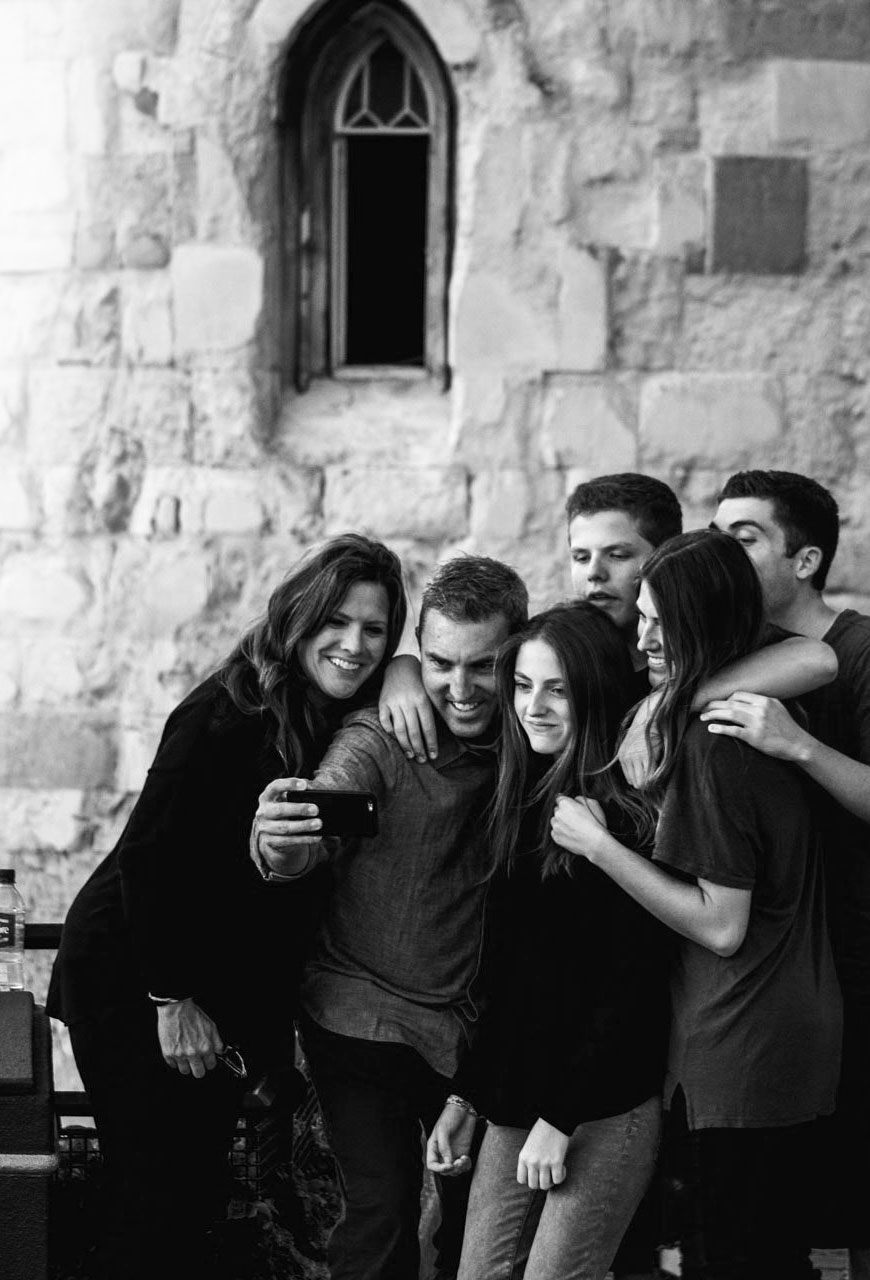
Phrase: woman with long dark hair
(177, 969)
(754, 1051)
(568, 1064)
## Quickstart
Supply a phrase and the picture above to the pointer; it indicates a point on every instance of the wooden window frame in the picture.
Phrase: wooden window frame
(320, 66)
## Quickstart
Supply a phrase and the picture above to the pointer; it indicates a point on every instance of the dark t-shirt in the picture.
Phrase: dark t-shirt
(755, 1036)
(839, 716)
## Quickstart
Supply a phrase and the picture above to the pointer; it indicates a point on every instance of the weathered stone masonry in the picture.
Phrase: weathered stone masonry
(660, 262)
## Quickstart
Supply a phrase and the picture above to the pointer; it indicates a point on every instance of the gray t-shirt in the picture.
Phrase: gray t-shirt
(755, 1038)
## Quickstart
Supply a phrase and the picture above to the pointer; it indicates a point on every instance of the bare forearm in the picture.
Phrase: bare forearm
(847, 780)
(683, 907)
(785, 670)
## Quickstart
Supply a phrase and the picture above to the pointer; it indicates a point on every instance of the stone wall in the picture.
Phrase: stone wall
(660, 263)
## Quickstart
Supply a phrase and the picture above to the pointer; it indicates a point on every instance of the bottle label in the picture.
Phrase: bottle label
(7, 929)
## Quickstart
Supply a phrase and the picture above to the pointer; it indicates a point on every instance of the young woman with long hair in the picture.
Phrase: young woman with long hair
(754, 1051)
(569, 1060)
(177, 969)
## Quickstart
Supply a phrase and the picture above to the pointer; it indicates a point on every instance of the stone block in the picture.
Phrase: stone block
(662, 96)
(173, 590)
(35, 818)
(734, 112)
(494, 419)
(231, 410)
(721, 418)
(105, 28)
(589, 418)
(681, 214)
(232, 503)
(496, 324)
(582, 311)
(808, 29)
(10, 672)
(221, 213)
(18, 511)
(758, 219)
(50, 672)
(647, 311)
(34, 179)
(510, 506)
(156, 409)
(621, 214)
(11, 407)
(826, 104)
(56, 749)
(430, 502)
(33, 107)
(42, 586)
(90, 106)
(218, 296)
(67, 409)
(146, 317)
(142, 203)
(85, 326)
(39, 241)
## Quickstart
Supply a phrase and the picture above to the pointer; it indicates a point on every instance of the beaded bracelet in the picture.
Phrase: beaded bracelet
(463, 1103)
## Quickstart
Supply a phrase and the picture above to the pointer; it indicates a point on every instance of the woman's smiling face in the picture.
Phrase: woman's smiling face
(541, 701)
(349, 647)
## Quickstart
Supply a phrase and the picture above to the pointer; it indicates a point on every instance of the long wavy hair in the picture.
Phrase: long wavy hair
(263, 673)
(597, 674)
(709, 605)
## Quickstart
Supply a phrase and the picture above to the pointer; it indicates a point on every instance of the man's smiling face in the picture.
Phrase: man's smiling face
(458, 661)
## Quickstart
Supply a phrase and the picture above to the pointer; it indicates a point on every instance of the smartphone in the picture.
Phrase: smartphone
(343, 813)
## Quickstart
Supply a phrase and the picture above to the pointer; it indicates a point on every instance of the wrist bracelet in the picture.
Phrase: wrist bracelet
(456, 1101)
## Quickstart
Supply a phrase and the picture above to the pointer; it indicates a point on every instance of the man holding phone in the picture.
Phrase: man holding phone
(389, 989)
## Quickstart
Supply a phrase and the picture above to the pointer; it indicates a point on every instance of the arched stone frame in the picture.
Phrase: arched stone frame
(319, 66)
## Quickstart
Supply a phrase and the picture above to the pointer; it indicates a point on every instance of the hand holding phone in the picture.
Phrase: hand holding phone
(345, 813)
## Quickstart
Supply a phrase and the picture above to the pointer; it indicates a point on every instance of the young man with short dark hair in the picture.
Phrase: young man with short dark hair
(789, 525)
(388, 991)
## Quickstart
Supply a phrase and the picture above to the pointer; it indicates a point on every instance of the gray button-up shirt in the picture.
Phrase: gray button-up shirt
(399, 946)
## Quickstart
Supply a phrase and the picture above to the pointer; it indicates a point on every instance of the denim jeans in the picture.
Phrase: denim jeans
(378, 1099)
(571, 1232)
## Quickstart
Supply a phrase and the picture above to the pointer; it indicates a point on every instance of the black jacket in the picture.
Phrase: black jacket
(177, 908)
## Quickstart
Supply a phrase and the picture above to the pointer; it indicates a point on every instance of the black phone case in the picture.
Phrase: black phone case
(344, 813)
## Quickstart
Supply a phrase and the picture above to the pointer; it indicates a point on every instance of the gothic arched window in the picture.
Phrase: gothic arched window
(367, 197)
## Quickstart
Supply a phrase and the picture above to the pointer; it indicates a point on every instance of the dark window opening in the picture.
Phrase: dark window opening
(387, 197)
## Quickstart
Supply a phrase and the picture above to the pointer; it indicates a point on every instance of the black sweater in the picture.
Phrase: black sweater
(577, 1023)
(177, 908)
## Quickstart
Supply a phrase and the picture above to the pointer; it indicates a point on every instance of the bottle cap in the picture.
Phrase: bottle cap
(7, 875)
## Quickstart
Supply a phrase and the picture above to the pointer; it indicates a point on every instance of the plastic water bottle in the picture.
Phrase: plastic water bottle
(11, 934)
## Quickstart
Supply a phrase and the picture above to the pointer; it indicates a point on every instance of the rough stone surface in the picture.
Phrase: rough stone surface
(715, 417)
(217, 296)
(159, 472)
(427, 503)
(825, 103)
(56, 750)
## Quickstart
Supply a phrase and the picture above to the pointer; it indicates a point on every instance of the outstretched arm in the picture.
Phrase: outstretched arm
(712, 915)
(766, 725)
(784, 670)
